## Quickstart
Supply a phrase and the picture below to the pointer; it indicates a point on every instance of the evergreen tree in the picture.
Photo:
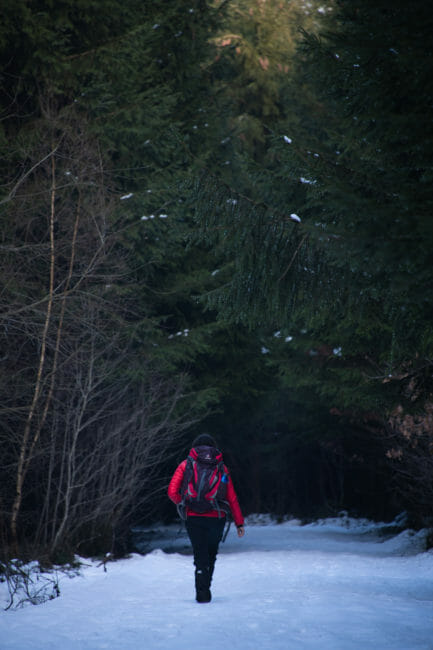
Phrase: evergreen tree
(97, 132)
(367, 209)
(354, 171)
(329, 241)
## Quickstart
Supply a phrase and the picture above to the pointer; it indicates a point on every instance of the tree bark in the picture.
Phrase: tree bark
(26, 451)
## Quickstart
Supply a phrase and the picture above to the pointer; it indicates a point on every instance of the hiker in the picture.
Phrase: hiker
(202, 489)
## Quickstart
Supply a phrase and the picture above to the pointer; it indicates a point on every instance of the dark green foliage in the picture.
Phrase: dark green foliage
(99, 133)
(351, 284)
(186, 142)
(368, 208)
(356, 272)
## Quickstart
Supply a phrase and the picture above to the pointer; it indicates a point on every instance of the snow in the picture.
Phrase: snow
(337, 584)
(306, 181)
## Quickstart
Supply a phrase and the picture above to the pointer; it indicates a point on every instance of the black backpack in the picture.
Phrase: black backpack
(204, 484)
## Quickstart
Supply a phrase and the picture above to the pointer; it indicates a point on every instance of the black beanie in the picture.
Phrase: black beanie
(205, 440)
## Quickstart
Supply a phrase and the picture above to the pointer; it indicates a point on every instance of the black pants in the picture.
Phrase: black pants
(205, 534)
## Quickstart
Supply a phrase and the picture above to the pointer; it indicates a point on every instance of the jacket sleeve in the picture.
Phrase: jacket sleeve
(234, 504)
(175, 484)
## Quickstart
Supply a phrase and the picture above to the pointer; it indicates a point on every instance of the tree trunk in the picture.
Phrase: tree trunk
(26, 451)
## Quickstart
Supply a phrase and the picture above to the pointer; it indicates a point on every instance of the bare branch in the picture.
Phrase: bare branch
(14, 190)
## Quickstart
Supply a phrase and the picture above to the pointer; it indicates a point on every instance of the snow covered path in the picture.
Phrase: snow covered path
(324, 586)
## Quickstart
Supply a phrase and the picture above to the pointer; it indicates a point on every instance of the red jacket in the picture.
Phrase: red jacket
(175, 495)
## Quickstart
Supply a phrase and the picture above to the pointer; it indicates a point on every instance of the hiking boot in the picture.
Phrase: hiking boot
(203, 594)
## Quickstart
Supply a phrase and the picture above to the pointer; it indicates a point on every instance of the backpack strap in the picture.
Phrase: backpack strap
(229, 523)
(181, 511)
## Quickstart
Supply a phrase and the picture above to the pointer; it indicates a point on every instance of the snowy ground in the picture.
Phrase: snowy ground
(334, 585)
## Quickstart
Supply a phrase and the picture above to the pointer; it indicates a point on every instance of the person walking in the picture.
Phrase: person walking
(203, 490)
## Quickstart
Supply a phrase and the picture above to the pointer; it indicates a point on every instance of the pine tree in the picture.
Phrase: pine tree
(94, 136)
(353, 168)
(328, 237)
(368, 206)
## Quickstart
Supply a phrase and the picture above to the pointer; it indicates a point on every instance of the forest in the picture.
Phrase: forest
(215, 216)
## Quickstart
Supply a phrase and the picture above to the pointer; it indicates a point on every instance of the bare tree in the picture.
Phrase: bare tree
(409, 439)
(81, 438)
(114, 434)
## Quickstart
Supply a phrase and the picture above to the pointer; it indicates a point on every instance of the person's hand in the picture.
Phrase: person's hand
(241, 531)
